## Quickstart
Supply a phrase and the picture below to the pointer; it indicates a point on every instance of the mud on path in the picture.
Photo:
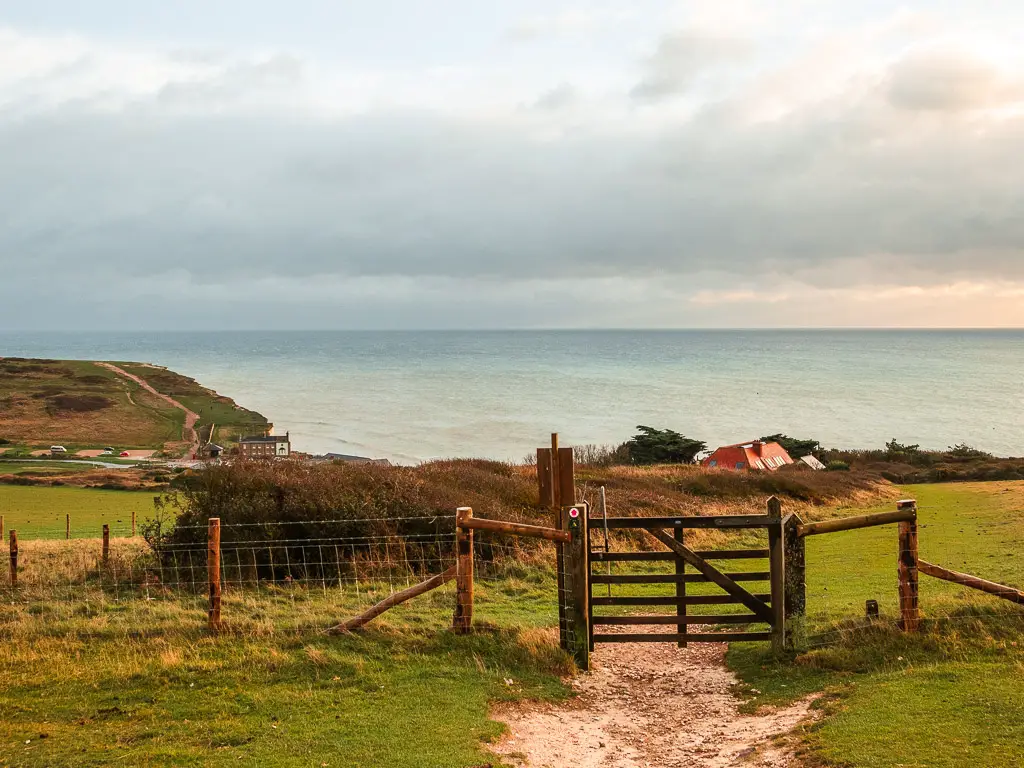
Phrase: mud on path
(189, 433)
(650, 705)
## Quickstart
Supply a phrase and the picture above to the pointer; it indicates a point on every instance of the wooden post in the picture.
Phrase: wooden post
(681, 590)
(796, 577)
(545, 479)
(67, 526)
(1, 527)
(133, 523)
(777, 567)
(907, 570)
(462, 623)
(579, 604)
(213, 573)
(106, 542)
(14, 558)
(556, 501)
(566, 480)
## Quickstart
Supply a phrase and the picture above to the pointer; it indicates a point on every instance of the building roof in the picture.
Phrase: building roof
(265, 439)
(753, 454)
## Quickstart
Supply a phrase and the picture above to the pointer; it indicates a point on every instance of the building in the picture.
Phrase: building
(265, 447)
(752, 455)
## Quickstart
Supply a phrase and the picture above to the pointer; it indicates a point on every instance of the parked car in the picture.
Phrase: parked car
(108, 449)
(58, 450)
(124, 454)
(107, 452)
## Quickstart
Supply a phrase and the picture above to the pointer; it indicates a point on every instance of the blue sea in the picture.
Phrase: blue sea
(410, 396)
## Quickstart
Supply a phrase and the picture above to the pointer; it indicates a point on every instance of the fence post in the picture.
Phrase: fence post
(67, 526)
(680, 590)
(462, 622)
(909, 611)
(14, 558)
(213, 572)
(578, 610)
(777, 568)
(1, 527)
(796, 577)
(106, 542)
(133, 523)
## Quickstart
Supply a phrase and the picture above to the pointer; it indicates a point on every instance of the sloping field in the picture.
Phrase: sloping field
(83, 405)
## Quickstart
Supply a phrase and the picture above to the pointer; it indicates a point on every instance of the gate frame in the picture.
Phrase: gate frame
(772, 611)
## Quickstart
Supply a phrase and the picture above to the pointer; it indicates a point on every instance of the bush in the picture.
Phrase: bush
(837, 466)
(795, 447)
(663, 446)
(76, 403)
(600, 455)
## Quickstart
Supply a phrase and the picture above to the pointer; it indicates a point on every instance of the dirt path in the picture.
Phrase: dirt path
(188, 433)
(650, 705)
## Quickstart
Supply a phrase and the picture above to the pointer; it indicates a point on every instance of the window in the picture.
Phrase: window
(713, 463)
(739, 465)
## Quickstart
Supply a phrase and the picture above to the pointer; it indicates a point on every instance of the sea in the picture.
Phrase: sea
(418, 395)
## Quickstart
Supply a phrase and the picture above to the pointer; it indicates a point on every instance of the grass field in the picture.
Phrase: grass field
(142, 684)
(953, 696)
(39, 512)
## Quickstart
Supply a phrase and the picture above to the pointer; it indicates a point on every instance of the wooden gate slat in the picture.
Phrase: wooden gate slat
(691, 637)
(715, 575)
(672, 578)
(672, 600)
(731, 618)
(717, 554)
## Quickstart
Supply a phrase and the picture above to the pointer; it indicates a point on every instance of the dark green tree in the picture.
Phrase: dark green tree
(794, 446)
(663, 446)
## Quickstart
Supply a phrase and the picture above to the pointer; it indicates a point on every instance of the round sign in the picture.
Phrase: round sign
(574, 512)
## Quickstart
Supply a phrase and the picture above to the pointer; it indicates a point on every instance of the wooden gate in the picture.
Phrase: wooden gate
(763, 608)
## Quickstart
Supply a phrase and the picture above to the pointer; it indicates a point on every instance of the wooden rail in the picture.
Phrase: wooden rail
(391, 601)
(852, 523)
(707, 554)
(516, 529)
(651, 523)
(974, 582)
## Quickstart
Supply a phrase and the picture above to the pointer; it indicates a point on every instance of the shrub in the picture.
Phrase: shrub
(600, 455)
(795, 447)
(76, 403)
(837, 466)
(663, 446)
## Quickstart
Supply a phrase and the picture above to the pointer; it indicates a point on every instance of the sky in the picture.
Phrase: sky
(457, 164)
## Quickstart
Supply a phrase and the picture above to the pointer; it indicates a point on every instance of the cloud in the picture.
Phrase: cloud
(949, 81)
(184, 185)
(679, 59)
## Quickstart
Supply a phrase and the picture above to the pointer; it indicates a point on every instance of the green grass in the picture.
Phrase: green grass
(272, 691)
(952, 695)
(140, 683)
(38, 511)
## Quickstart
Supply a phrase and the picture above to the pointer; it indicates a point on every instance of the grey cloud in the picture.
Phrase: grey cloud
(678, 60)
(562, 95)
(947, 81)
(92, 201)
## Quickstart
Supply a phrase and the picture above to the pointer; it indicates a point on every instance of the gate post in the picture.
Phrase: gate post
(777, 567)
(462, 622)
(909, 611)
(578, 608)
(796, 577)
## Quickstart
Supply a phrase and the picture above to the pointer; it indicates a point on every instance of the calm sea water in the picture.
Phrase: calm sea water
(417, 395)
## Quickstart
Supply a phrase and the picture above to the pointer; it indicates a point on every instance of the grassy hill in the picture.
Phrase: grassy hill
(81, 404)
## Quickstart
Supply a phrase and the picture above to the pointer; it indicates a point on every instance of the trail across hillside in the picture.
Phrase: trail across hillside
(188, 433)
(650, 705)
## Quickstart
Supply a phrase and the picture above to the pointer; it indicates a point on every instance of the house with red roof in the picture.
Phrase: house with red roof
(751, 455)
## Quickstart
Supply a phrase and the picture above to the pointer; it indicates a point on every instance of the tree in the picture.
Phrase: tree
(794, 446)
(663, 446)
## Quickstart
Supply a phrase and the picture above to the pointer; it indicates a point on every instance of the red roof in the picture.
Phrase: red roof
(750, 455)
